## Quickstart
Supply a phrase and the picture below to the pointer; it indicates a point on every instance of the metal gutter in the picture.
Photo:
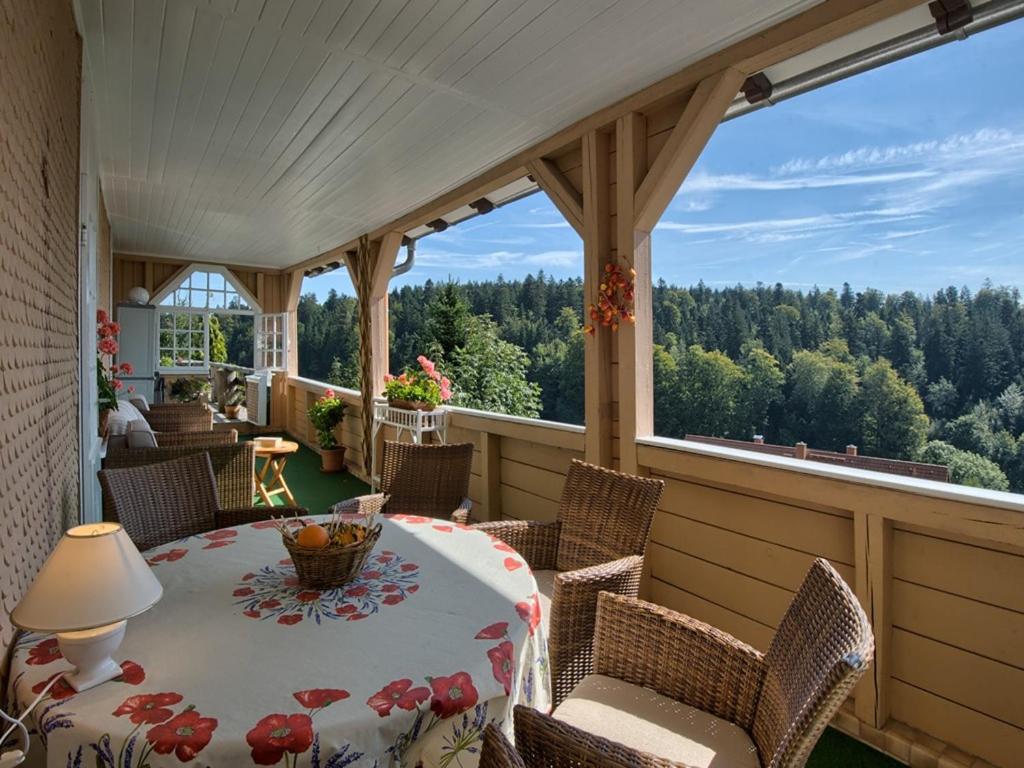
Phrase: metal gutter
(987, 16)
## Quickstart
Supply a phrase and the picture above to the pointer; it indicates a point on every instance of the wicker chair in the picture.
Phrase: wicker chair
(179, 417)
(158, 503)
(597, 544)
(496, 752)
(233, 464)
(670, 685)
(428, 480)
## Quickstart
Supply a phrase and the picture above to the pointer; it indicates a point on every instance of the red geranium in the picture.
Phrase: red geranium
(148, 708)
(501, 664)
(131, 673)
(398, 693)
(276, 734)
(317, 698)
(493, 632)
(185, 735)
(44, 653)
(452, 694)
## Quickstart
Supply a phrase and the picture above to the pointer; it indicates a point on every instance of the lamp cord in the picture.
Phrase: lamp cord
(19, 724)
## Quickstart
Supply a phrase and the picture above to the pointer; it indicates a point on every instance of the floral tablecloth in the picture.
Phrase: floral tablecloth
(238, 665)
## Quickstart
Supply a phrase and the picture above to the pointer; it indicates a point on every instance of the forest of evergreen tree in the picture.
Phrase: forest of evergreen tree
(930, 378)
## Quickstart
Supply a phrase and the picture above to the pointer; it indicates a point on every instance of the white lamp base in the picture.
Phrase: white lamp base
(90, 651)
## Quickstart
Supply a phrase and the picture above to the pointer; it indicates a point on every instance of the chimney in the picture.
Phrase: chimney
(758, 439)
(851, 450)
(801, 450)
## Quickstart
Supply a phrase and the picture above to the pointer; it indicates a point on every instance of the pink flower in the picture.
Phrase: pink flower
(388, 377)
(102, 316)
(131, 390)
(107, 346)
(329, 393)
(117, 384)
(127, 369)
(115, 328)
(426, 365)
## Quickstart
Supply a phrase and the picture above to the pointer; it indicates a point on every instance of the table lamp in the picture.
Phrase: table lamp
(90, 585)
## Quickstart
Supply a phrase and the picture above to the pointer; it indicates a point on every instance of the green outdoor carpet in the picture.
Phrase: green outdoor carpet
(316, 491)
(313, 489)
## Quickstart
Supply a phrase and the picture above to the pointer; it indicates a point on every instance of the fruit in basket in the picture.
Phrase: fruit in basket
(349, 533)
(313, 536)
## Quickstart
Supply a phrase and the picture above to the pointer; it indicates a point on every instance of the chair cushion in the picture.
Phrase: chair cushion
(141, 435)
(642, 719)
(117, 422)
(140, 402)
(545, 589)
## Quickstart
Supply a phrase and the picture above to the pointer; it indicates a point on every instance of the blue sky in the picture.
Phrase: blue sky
(910, 177)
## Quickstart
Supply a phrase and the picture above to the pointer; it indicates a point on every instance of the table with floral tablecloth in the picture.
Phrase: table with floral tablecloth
(239, 665)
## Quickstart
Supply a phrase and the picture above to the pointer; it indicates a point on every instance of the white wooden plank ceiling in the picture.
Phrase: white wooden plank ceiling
(263, 132)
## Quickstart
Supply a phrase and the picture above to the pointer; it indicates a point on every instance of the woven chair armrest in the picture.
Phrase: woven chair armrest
(368, 504)
(214, 437)
(543, 740)
(243, 516)
(537, 542)
(496, 752)
(461, 513)
(677, 656)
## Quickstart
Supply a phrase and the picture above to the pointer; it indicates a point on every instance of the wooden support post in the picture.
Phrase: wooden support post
(873, 558)
(490, 466)
(702, 114)
(635, 341)
(597, 246)
(293, 289)
(561, 191)
(147, 279)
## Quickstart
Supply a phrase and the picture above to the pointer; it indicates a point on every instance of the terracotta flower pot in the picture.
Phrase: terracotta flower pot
(231, 411)
(411, 405)
(332, 460)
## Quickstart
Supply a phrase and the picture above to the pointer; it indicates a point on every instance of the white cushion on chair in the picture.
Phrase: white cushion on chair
(545, 589)
(117, 422)
(644, 720)
(140, 434)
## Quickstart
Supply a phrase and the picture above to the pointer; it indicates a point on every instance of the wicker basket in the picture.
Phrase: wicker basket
(335, 564)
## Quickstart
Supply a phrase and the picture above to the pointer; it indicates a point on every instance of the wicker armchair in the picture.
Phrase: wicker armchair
(428, 480)
(158, 503)
(179, 417)
(597, 544)
(233, 464)
(496, 752)
(672, 686)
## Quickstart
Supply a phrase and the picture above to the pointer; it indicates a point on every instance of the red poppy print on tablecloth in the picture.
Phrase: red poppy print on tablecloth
(276, 734)
(501, 546)
(170, 556)
(43, 653)
(443, 528)
(318, 698)
(220, 538)
(513, 564)
(148, 708)
(529, 611)
(274, 592)
(399, 693)
(493, 632)
(501, 664)
(131, 673)
(185, 735)
(452, 694)
(413, 519)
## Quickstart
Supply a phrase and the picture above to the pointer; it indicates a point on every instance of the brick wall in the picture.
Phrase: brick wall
(40, 57)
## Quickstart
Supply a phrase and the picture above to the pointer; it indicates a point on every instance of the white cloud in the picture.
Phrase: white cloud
(703, 182)
(493, 260)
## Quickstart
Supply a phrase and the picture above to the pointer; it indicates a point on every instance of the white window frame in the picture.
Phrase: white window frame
(270, 341)
(231, 285)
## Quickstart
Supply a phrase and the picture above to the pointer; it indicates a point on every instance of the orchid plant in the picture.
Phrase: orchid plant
(425, 385)
(106, 347)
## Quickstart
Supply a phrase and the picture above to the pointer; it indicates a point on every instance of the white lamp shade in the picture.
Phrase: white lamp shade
(95, 576)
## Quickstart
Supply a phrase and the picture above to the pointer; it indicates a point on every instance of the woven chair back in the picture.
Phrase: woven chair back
(821, 649)
(233, 466)
(158, 503)
(605, 515)
(427, 480)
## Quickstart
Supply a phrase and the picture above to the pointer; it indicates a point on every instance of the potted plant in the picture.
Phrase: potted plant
(418, 390)
(234, 394)
(190, 390)
(326, 414)
(108, 385)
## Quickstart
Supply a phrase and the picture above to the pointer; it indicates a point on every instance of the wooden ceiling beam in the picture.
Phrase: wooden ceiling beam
(703, 113)
(567, 199)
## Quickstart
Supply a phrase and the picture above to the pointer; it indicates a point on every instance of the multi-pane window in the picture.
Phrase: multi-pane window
(207, 290)
(271, 340)
(183, 337)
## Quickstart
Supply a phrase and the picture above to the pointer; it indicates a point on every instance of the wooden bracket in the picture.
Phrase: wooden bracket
(561, 191)
(703, 113)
